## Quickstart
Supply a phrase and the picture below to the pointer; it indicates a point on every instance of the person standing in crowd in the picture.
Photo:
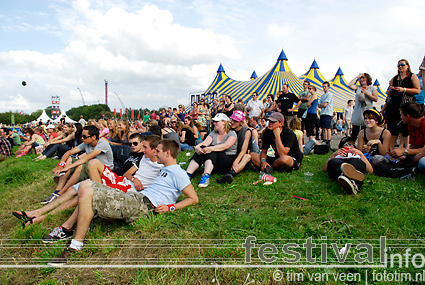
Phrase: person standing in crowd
(366, 94)
(421, 96)
(326, 104)
(202, 114)
(304, 97)
(402, 89)
(255, 107)
(285, 103)
(270, 105)
(347, 114)
(310, 120)
(229, 106)
(82, 121)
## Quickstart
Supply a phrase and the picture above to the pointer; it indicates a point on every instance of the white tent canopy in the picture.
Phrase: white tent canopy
(67, 119)
(44, 118)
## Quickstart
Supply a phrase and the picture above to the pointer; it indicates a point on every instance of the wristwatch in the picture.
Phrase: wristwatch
(406, 153)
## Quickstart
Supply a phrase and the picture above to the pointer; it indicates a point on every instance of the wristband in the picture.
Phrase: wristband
(263, 160)
(132, 179)
(171, 207)
(61, 164)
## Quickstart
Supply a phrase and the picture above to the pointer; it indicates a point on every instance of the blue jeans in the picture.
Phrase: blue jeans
(308, 146)
(185, 147)
(421, 165)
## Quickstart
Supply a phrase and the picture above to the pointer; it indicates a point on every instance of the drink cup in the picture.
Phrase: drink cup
(267, 178)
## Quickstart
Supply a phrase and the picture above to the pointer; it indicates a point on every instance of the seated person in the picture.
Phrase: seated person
(71, 134)
(187, 139)
(106, 202)
(76, 170)
(295, 126)
(68, 199)
(33, 140)
(136, 154)
(284, 142)
(400, 162)
(5, 146)
(348, 166)
(216, 152)
(244, 147)
(374, 139)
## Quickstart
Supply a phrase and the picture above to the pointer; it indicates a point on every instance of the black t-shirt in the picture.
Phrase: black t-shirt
(289, 139)
(286, 102)
(189, 138)
(133, 158)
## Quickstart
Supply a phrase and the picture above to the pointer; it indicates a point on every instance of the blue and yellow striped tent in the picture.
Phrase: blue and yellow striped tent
(269, 83)
(342, 93)
(381, 97)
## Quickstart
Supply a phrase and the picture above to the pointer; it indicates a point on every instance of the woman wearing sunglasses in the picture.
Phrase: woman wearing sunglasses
(401, 90)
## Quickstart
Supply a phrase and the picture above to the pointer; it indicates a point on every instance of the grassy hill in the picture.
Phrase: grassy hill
(191, 246)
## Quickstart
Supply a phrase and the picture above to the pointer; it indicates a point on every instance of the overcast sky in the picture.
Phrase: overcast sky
(154, 53)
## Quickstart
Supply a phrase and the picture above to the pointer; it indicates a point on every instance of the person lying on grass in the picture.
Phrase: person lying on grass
(284, 142)
(348, 166)
(109, 203)
(144, 171)
(76, 170)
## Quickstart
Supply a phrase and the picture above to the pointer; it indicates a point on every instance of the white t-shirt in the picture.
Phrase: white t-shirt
(147, 171)
(256, 108)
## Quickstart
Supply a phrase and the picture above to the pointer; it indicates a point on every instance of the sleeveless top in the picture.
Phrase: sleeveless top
(394, 100)
(374, 148)
(313, 107)
(241, 138)
(124, 140)
(115, 139)
(228, 113)
(189, 138)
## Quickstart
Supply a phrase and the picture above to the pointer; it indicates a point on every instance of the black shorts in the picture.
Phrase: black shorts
(325, 121)
(295, 166)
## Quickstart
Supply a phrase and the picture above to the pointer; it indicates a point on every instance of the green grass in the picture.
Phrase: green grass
(212, 231)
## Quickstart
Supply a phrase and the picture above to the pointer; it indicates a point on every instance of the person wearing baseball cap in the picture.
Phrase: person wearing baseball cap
(217, 152)
(244, 147)
(288, 155)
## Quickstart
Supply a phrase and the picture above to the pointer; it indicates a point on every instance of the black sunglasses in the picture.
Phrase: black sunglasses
(133, 143)
(84, 136)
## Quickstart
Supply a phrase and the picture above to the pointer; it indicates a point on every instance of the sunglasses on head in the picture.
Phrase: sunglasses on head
(133, 143)
(84, 136)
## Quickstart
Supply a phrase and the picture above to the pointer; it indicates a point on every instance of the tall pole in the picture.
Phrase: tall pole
(106, 92)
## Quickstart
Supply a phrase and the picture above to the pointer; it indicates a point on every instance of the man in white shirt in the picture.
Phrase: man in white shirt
(254, 106)
(346, 117)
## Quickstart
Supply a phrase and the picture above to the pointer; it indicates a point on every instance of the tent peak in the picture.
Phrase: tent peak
(253, 75)
(376, 83)
(282, 56)
(220, 68)
(314, 64)
(339, 72)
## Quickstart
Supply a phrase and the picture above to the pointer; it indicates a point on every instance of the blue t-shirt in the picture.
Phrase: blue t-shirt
(328, 110)
(420, 97)
(167, 186)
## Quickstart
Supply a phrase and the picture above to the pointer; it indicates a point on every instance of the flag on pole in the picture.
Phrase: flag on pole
(115, 112)
(126, 112)
(138, 116)
(132, 114)
(121, 113)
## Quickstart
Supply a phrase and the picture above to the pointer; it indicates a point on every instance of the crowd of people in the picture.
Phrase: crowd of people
(117, 169)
